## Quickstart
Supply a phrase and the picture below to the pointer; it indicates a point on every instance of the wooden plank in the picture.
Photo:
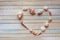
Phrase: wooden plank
(17, 11)
(20, 7)
(30, 3)
(26, 35)
(33, 26)
(28, 0)
(29, 18)
(30, 38)
(28, 21)
(48, 31)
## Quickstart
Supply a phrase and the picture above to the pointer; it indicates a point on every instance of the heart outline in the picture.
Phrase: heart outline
(31, 11)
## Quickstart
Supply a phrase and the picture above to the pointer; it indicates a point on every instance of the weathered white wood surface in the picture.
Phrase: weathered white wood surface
(11, 29)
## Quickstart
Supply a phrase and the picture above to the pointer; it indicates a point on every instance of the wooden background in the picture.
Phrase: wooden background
(11, 29)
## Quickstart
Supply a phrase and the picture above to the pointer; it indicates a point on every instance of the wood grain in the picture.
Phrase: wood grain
(11, 29)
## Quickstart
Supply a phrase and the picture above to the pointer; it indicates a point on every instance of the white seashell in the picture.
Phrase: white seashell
(43, 28)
